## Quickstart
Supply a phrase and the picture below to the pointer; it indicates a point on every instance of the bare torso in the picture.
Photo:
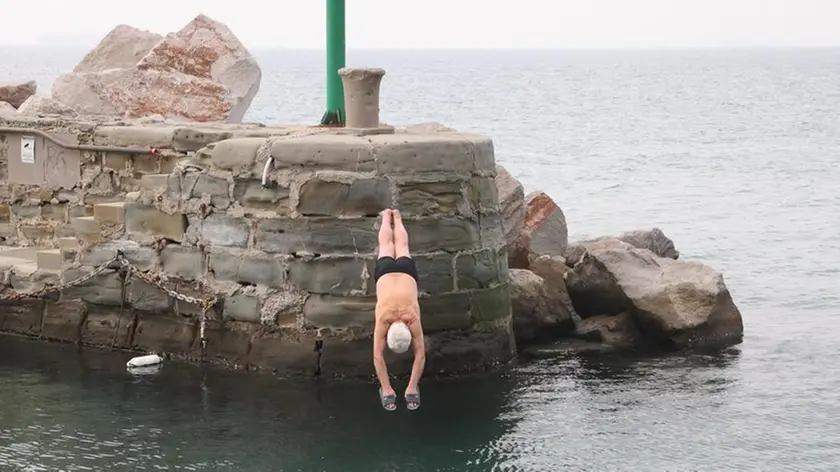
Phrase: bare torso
(396, 299)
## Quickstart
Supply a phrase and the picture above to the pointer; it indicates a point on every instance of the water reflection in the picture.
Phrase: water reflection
(63, 410)
(587, 412)
(89, 412)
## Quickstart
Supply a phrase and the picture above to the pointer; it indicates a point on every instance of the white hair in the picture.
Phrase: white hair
(399, 337)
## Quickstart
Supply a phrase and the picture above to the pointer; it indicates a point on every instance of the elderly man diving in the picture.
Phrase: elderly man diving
(397, 310)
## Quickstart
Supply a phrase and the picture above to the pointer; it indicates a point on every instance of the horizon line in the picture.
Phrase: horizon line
(322, 49)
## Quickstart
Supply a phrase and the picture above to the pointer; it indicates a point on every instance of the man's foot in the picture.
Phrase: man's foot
(389, 401)
(412, 400)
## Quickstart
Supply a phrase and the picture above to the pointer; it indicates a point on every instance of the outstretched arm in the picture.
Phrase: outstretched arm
(379, 334)
(419, 345)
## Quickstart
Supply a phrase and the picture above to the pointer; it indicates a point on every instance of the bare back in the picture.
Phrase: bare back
(396, 299)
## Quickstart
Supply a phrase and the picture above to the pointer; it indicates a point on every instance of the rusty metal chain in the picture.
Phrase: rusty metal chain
(49, 289)
(206, 304)
(202, 302)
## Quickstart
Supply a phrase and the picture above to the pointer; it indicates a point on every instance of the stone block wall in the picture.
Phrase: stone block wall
(38, 215)
(30, 215)
(291, 262)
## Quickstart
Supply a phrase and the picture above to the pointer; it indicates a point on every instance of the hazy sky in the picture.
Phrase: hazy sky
(448, 23)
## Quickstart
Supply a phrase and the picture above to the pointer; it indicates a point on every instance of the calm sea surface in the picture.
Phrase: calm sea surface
(734, 154)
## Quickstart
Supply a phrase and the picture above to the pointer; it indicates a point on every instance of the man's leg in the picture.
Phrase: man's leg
(386, 249)
(386, 236)
(400, 236)
(401, 249)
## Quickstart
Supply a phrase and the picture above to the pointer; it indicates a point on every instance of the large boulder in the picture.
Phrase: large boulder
(511, 204)
(553, 271)
(576, 251)
(544, 232)
(208, 49)
(134, 93)
(653, 240)
(676, 304)
(16, 93)
(7, 110)
(538, 315)
(201, 73)
(122, 48)
(41, 105)
(618, 331)
(596, 335)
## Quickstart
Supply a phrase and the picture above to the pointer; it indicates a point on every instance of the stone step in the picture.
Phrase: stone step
(86, 225)
(68, 244)
(87, 228)
(22, 260)
(69, 247)
(153, 181)
(109, 213)
(51, 259)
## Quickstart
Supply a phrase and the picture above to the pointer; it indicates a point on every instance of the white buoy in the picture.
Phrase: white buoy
(144, 361)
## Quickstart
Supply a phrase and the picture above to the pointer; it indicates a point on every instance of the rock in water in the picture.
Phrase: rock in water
(511, 204)
(676, 303)
(537, 314)
(122, 48)
(208, 49)
(614, 330)
(653, 240)
(40, 105)
(553, 270)
(575, 252)
(201, 73)
(544, 232)
(16, 93)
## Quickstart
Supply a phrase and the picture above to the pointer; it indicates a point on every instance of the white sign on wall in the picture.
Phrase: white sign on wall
(27, 149)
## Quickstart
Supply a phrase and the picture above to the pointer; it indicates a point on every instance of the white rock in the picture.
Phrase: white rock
(41, 105)
(202, 73)
(122, 48)
(133, 93)
(208, 49)
(7, 110)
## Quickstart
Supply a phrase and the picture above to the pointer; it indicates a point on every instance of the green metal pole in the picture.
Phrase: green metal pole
(335, 61)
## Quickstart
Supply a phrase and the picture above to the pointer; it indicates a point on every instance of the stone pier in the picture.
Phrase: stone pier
(291, 261)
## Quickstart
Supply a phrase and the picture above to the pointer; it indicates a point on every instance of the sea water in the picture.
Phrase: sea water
(733, 153)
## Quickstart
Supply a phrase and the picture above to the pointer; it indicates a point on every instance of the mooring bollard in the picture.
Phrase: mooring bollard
(361, 96)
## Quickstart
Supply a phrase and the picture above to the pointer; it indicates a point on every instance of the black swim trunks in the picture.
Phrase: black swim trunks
(400, 265)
